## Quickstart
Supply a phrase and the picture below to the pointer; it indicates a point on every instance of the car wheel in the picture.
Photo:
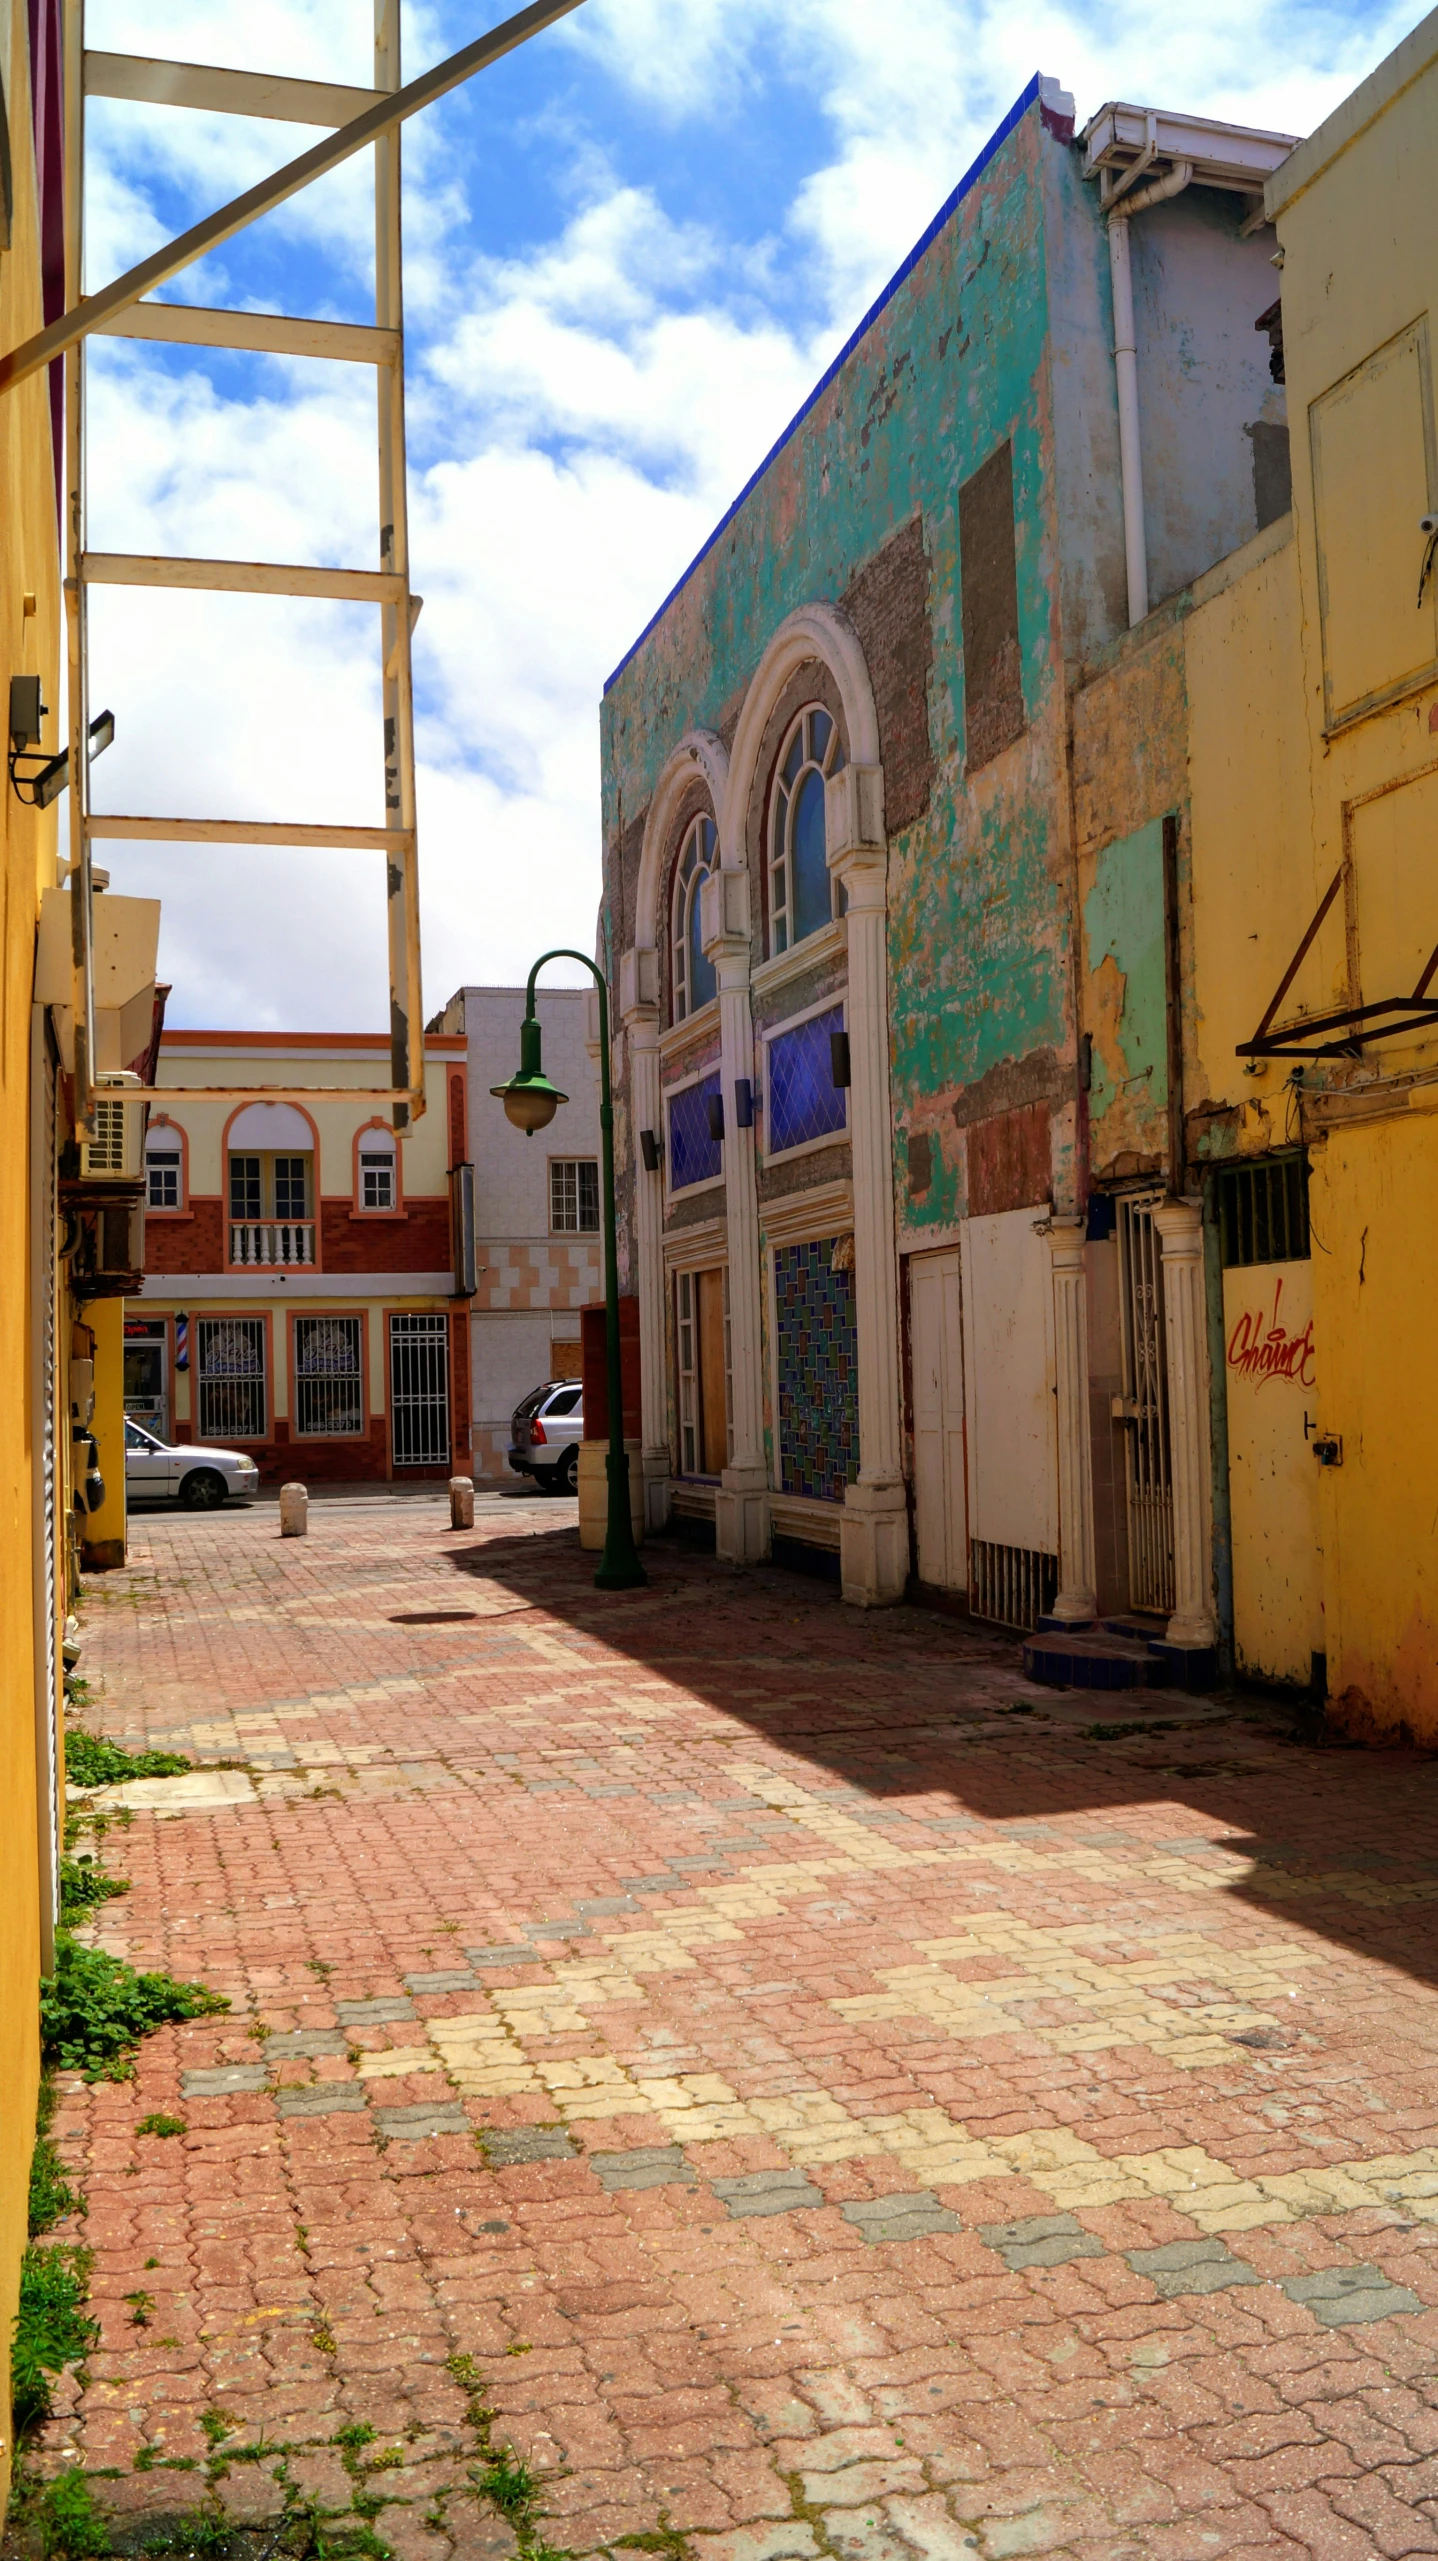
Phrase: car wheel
(202, 1490)
(565, 1477)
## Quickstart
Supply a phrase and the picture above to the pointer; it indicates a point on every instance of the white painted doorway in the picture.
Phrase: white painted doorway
(936, 1346)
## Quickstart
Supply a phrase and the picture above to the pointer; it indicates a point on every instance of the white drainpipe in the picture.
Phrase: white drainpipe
(1125, 365)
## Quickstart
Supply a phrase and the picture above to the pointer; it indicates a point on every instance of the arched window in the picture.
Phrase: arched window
(802, 896)
(694, 978)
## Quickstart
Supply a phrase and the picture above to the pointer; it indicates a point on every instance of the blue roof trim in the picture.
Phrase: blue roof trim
(926, 239)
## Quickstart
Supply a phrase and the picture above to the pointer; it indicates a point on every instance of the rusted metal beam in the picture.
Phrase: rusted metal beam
(89, 313)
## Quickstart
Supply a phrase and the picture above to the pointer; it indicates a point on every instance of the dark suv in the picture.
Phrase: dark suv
(545, 1433)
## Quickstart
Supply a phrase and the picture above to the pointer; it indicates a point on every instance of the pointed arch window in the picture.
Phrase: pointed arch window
(695, 981)
(803, 896)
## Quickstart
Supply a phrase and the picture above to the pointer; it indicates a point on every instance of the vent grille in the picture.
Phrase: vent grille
(1012, 1586)
(1263, 1212)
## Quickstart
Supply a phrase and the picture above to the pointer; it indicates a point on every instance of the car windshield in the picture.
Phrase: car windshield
(564, 1402)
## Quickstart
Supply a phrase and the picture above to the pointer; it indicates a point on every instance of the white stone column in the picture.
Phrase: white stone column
(638, 996)
(874, 1535)
(1180, 1225)
(741, 1508)
(1077, 1599)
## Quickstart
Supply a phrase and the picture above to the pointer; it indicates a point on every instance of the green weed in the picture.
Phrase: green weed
(164, 2126)
(90, 1761)
(505, 2479)
(94, 2009)
(84, 1883)
(51, 2194)
(52, 2329)
(71, 2526)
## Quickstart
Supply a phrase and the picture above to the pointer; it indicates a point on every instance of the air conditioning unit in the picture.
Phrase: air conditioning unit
(114, 1154)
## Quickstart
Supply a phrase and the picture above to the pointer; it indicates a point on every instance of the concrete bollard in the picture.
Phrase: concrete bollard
(294, 1511)
(461, 1502)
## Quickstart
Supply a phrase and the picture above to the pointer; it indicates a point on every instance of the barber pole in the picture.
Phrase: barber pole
(182, 1342)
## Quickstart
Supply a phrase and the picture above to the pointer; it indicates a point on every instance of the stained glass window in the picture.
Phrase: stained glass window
(694, 979)
(817, 1371)
(802, 895)
(803, 1101)
(695, 1154)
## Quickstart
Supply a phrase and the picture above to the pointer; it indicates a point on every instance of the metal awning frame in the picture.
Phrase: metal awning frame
(1352, 1026)
(360, 118)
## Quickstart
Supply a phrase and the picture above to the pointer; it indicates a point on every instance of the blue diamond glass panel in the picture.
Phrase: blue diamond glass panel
(693, 1155)
(803, 1099)
(817, 1363)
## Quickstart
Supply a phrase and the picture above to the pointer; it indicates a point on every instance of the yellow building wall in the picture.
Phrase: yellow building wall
(1357, 216)
(29, 640)
(1375, 1203)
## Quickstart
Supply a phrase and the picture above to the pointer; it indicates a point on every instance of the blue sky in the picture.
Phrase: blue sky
(629, 250)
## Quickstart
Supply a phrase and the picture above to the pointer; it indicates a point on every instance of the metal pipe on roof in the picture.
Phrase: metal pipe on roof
(1125, 365)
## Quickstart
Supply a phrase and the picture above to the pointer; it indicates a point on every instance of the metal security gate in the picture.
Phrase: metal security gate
(47, 1489)
(1147, 1465)
(419, 1390)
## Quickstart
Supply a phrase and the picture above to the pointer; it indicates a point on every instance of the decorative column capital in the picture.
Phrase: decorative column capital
(724, 925)
(1180, 1224)
(1066, 1240)
(639, 987)
(854, 818)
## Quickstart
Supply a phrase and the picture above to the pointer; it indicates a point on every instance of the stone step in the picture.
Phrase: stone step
(1092, 1660)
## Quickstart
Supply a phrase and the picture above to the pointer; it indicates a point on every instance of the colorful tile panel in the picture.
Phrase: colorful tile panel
(817, 1367)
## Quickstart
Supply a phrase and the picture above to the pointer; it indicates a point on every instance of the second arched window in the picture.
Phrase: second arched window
(802, 894)
(694, 978)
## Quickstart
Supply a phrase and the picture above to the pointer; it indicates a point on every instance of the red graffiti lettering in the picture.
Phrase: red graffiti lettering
(1262, 1348)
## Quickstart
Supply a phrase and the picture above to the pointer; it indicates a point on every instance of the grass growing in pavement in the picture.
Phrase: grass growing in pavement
(162, 2125)
(94, 2009)
(52, 2329)
(84, 1884)
(92, 1762)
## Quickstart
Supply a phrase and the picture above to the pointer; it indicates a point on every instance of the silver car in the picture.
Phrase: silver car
(202, 1479)
(545, 1433)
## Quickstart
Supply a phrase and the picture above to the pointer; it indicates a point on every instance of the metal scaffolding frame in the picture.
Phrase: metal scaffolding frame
(359, 119)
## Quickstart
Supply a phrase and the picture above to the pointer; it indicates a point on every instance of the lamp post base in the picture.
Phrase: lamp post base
(619, 1566)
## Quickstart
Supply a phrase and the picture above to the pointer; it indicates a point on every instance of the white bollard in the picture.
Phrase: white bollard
(461, 1502)
(294, 1511)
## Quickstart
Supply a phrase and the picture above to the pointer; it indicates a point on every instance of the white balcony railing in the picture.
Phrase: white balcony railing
(272, 1244)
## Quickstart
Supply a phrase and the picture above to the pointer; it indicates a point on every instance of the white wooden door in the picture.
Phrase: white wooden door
(937, 1355)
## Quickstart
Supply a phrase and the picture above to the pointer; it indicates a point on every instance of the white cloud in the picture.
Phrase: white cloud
(581, 415)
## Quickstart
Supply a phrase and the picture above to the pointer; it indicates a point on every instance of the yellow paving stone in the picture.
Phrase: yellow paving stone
(396, 2061)
(591, 2086)
(541, 2009)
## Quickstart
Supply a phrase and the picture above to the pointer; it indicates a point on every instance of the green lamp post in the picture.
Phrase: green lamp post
(530, 1102)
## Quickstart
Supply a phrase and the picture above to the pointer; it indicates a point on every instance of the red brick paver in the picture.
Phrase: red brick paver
(836, 2097)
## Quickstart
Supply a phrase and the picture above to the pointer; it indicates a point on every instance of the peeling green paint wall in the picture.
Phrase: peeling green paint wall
(979, 884)
(1124, 931)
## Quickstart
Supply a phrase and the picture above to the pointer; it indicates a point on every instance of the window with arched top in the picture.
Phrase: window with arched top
(803, 896)
(694, 976)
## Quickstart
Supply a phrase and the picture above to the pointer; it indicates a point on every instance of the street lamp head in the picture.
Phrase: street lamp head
(530, 1101)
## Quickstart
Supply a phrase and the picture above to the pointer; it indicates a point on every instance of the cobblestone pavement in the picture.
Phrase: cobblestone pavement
(835, 2099)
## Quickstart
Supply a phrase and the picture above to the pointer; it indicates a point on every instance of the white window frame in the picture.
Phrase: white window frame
(684, 896)
(668, 1095)
(169, 1154)
(781, 800)
(837, 997)
(559, 1226)
(378, 1148)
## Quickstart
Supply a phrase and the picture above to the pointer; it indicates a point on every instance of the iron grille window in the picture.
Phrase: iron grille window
(1011, 1586)
(804, 1101)
(162, 1178)
(419, 1390)
(329, 1381)
(233, 1401)
(695, 1154)
(1263, 1211)
(245, 1187)
(574, 1195)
